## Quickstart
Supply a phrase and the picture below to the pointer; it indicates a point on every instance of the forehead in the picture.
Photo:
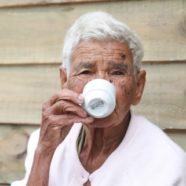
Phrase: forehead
(93, 50)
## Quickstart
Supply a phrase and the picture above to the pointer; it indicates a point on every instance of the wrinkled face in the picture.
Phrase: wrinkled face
(112, 61)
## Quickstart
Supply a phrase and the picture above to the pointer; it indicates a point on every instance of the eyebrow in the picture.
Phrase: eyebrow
(86, 65)
(120, 66)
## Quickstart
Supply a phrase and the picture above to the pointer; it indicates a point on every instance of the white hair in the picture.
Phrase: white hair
(100, 26)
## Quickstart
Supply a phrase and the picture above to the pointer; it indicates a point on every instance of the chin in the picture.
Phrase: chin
(107, 122)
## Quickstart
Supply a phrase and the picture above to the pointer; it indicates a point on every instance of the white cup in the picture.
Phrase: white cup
(100, 98)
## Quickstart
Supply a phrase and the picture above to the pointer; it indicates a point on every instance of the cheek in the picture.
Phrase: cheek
(125, 92)
(76, 84)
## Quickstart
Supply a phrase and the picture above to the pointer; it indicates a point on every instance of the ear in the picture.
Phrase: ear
(63, 77)
(140, 84)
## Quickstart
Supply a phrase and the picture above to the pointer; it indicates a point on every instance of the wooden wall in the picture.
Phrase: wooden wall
(31, 37)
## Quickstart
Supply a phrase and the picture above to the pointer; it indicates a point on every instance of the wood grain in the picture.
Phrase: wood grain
(16, 3)
(35, 34)
(164, 100)
(23, 91)
(13, 142)
(25, 88)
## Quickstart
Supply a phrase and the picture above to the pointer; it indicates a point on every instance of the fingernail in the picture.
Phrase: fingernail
(81, 99)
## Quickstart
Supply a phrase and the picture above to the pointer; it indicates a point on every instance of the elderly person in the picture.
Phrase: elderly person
(73, 148)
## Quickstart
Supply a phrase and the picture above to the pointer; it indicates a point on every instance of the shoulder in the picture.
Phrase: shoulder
(156, 140)
(157, 152)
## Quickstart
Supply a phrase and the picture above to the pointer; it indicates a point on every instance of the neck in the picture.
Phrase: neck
(103, 141)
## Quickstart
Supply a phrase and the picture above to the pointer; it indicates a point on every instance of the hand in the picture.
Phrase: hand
(58, 116)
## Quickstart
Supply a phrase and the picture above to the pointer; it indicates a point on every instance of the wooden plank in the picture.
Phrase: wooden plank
(13, 142)
(15, 3)
(25, 88)
(164, 99)
(35, 34)
(179, 138)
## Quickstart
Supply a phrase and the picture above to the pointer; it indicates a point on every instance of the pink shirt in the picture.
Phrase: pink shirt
(145, 157)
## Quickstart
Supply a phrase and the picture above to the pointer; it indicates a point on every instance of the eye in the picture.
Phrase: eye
(85, 72)
(118, 73)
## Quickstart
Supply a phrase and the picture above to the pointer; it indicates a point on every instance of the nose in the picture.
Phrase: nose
(104, 75)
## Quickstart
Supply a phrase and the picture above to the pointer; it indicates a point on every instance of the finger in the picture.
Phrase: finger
(62, 107)
(67, 120)
(64, 94)
(68, 95)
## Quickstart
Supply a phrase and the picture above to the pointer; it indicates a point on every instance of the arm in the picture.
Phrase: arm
(40, 169)
(58, 116)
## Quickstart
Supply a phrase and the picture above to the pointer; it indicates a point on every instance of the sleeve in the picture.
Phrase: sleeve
(31, 147)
